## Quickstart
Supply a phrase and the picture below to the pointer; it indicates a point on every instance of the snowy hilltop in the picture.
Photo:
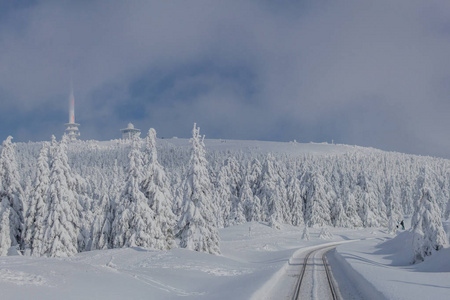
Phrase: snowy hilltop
(64, 197)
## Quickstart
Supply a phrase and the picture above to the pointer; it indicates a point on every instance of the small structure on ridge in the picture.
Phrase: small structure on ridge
(130, 132)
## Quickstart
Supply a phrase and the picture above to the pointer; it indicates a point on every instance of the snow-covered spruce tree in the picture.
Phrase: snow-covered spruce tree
(423, 180)
(227, 191)
(351, 210)
(305, 235)
(156, 187)
(286, 213)
(254, 176)
(237, 215)
(447, 211)
(393, 208)
(325, 234)
(134, 219)
(442, 192)
(87, 208)
(27, 187)
(229, 180)
(177, 188)
(222, 195)
(234, 182)
(372, 210)
(62, 220)
(11, 195)
(428, 233)
(196, 227)
(116, 186)
(392, 220)
(272, 193)
(86, 205)
(338, 215)
(101, 213)
(295, 201)
(5, 232)
(250, 203)
(37, 210)
(318, 212)
(101, 227)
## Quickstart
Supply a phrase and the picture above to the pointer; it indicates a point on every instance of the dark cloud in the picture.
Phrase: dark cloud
(372, 73)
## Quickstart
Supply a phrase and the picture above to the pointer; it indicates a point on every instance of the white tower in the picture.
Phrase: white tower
(72, 127)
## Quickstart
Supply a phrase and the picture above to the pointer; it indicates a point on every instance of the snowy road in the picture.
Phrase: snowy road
(315, 279)
(307, 275)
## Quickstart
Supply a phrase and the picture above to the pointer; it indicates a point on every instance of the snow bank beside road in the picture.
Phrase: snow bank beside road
(382, 267)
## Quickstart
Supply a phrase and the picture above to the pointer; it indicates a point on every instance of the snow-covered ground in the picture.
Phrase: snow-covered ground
(267, 146)
(249, 146)
(252, 264)
(381, 269)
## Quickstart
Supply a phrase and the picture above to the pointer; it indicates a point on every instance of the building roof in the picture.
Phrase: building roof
(130, 128)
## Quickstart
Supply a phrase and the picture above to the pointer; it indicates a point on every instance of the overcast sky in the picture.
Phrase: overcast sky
(370, 73)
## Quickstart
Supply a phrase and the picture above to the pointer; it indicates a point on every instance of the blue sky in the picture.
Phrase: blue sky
(370, 73)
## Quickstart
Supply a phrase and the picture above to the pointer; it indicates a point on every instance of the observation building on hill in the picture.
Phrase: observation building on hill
(130, 132)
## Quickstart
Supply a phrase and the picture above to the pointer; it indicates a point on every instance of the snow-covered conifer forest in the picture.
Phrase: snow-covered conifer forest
(59, 198)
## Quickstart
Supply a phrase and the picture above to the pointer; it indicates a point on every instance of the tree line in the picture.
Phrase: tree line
(59, 198)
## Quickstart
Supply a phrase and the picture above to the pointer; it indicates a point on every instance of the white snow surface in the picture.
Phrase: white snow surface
(380, 268)
(268, 146)
(254, 146)
(252, 266)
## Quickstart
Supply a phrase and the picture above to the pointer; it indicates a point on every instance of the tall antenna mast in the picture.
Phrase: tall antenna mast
(71, 104)
(72, 127)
